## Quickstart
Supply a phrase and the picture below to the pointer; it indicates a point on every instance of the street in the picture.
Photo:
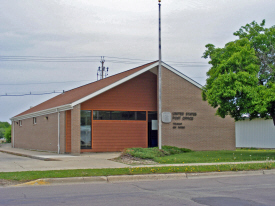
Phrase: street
(219, 191)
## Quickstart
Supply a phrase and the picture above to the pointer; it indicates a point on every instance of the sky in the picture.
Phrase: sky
(56, 45)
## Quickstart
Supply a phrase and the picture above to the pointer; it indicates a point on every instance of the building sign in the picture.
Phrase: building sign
(180, 117)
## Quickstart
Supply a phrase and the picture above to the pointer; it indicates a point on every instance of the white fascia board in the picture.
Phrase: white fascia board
(182, 75)
(114, 84)
(43, 112)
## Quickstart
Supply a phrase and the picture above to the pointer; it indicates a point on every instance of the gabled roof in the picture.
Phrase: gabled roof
(69, 99)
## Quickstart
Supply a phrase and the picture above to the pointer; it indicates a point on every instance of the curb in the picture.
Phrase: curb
(29, 156)
(125, 178)
(146, 177)
(226, 174)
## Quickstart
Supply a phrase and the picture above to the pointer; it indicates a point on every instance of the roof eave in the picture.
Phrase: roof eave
(43, 112)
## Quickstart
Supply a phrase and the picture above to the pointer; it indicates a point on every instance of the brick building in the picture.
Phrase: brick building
(120, 112)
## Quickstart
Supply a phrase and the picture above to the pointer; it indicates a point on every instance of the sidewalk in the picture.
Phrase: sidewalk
(15, 159)
(42, 161)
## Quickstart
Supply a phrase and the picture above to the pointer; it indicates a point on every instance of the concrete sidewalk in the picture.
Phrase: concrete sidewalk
(30, 160)
(15, 159)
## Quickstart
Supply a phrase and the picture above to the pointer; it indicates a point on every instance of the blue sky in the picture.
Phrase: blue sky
(114, 29)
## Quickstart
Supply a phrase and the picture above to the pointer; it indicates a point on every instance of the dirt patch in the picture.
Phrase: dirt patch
(130, 160)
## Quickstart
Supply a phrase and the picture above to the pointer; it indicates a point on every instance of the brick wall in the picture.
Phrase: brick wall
(62, 132)
(40, 136)
(118, 135)
(206, 131)
(75, 129)
(137, 94)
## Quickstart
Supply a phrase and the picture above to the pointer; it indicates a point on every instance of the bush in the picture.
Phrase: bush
(151, 153)
(146, 153)
(175, 150)
(8, 135)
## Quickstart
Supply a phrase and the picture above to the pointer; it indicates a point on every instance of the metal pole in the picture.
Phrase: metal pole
(159, 80)
(102, 68)
(13, 125)
(58, 130)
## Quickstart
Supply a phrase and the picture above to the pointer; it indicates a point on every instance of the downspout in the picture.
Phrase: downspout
(12, 123)
(58, 131)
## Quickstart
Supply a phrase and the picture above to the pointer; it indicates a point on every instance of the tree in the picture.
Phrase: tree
(4, 124)
(241, 80)
(3, 127)
(8, 135)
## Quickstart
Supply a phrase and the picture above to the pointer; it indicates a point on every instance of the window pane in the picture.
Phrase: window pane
(141, 115)
(85, 130)
(123, 115)
(101, 115)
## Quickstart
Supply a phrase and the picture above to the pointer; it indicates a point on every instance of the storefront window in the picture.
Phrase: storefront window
(119, 115)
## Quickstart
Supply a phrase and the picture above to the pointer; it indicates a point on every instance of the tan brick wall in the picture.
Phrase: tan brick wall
(75, 127)
(12, 135)
(40, 136)
(206, 131)
(62, 132)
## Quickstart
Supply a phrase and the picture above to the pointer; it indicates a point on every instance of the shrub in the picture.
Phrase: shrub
(8, 135)
(175, 150)
(146, 153)
(151, 153)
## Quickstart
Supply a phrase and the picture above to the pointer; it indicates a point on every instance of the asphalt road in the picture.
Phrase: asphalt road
(219, 191)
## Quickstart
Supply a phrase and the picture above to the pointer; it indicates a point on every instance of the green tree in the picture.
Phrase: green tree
(3, 127)
(8, 134)
(4, 124)
(2, 132)
(241, 79)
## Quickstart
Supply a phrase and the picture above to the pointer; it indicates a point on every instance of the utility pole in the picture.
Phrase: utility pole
(102, 63)
(102, 70)
(159, 81)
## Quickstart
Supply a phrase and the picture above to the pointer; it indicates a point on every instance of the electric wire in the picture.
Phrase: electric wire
(30, 94)
(43, 83)
(121, 60)
(77, 59)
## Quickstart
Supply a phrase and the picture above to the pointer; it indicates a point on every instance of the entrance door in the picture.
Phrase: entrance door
(86, 134)
(152, 129)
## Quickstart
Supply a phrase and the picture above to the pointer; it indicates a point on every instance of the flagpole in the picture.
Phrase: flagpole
(159, 81)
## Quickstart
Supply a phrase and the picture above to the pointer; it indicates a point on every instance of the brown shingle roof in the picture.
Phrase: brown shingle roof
(75, 94)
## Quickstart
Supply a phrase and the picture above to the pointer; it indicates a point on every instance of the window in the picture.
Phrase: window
(20, 122)
(119, 115)
(34, 120)
(86, 130)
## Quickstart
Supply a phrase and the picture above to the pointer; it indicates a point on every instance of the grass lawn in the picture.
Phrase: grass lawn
(174, 155)
(218, 156)
(32, 175)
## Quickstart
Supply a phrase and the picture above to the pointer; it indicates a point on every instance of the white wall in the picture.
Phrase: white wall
(258, 133)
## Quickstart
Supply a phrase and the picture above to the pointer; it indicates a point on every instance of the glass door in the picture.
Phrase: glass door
(86, 131)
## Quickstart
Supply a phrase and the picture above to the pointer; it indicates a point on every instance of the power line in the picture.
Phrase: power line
(45, 83)
(30, 94)
(85, 59)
